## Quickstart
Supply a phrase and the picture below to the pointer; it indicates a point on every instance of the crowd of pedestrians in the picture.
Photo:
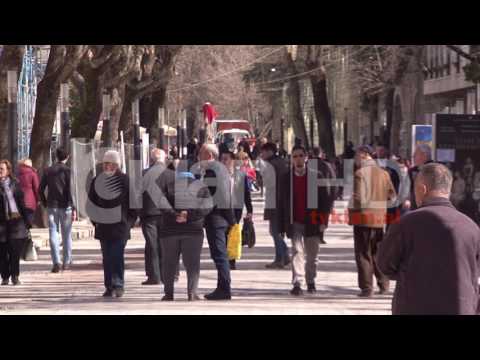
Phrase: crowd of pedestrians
(405, 228)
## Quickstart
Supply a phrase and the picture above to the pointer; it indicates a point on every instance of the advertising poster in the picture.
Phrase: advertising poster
(421, 134)
(457, 145)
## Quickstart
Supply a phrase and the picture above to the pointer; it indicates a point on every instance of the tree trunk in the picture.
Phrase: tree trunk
(86, 123)
(295, 111)
(323, 115)
(11, 59)
(125, 122)
(389, 109)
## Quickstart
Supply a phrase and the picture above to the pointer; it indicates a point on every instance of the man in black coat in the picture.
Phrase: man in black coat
(273, 168)
(222, 217)
(108, 207)
(150, 216)
(433, 253)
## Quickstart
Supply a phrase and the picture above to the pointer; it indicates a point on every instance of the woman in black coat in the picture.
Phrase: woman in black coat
(13, 224)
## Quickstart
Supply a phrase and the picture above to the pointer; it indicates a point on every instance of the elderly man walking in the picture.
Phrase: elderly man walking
(151, 218)
(222, 217)
(109, 210)
(433, 253)
(371, 192)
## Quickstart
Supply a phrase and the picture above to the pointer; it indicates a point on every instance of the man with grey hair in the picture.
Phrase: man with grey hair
(150, 217)
(220, 219)
(421, 156)
(433, 253)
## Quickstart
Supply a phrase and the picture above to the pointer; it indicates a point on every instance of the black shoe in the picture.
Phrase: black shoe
(286, 261)
(56, 268)
(5, 281)
(119, 292)
(365, 294)
(218, 295)
(383, 291)
(322, 241)
(108, 293)
(296, 291)
(193, 297)
(167, 298)
(151, 282)
(311, 288)
(233, 266)
(274, 265)
(16, 281)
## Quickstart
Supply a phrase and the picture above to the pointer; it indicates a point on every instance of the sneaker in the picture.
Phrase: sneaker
(108, 293)
(296, 291)
(218, 295)
(56, 268)
(365, 294)
(311, 288)
(119, 292)
(274, 265)
(286, 261)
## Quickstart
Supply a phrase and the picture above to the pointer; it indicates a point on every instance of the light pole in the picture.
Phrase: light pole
(65, 118)
(136, 129)
(106, 127)
(183, 134)
(161, 128)
(12, 92)
(179, 134)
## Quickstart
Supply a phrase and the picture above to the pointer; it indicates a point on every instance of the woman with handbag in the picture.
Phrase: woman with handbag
(14, 224)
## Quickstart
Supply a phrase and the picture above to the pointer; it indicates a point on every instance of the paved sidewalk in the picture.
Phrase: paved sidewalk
(256, 290)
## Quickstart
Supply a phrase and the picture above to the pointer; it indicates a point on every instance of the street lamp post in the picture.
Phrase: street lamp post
(106, 127)
(183, 134)
(179, 134)
(65, 116)
(161, 128)
(12, 92)
(136, 129)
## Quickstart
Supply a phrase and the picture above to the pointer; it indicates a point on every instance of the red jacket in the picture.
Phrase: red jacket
(29, 182)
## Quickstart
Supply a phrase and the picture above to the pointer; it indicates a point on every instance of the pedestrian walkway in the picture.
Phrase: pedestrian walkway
(256, 290)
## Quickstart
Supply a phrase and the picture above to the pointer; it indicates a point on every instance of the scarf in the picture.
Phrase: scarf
(11, 209)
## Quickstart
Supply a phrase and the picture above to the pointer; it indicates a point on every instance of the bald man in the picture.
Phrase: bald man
(150, 217)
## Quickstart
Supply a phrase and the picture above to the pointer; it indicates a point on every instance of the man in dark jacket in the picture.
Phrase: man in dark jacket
(188, 201)
(109, 210)
(305, 211)
(327, 171)
(433, 253)
(60, 208)
(222, 217)
(150, 216)
(273, 169)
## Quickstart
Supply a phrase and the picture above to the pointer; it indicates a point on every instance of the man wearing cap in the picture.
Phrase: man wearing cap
(109, 210)
(372, 190)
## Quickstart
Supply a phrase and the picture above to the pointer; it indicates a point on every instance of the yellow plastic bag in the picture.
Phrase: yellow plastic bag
(234, 243)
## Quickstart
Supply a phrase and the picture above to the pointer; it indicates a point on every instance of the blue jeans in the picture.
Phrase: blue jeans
(60, 218)
(113, 253)
(217, 242)
(281, 249)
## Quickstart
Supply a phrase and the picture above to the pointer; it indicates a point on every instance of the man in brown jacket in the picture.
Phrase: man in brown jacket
(372, 190)
(433, 253)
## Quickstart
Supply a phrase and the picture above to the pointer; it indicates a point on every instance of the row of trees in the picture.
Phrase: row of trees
(125, 72)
